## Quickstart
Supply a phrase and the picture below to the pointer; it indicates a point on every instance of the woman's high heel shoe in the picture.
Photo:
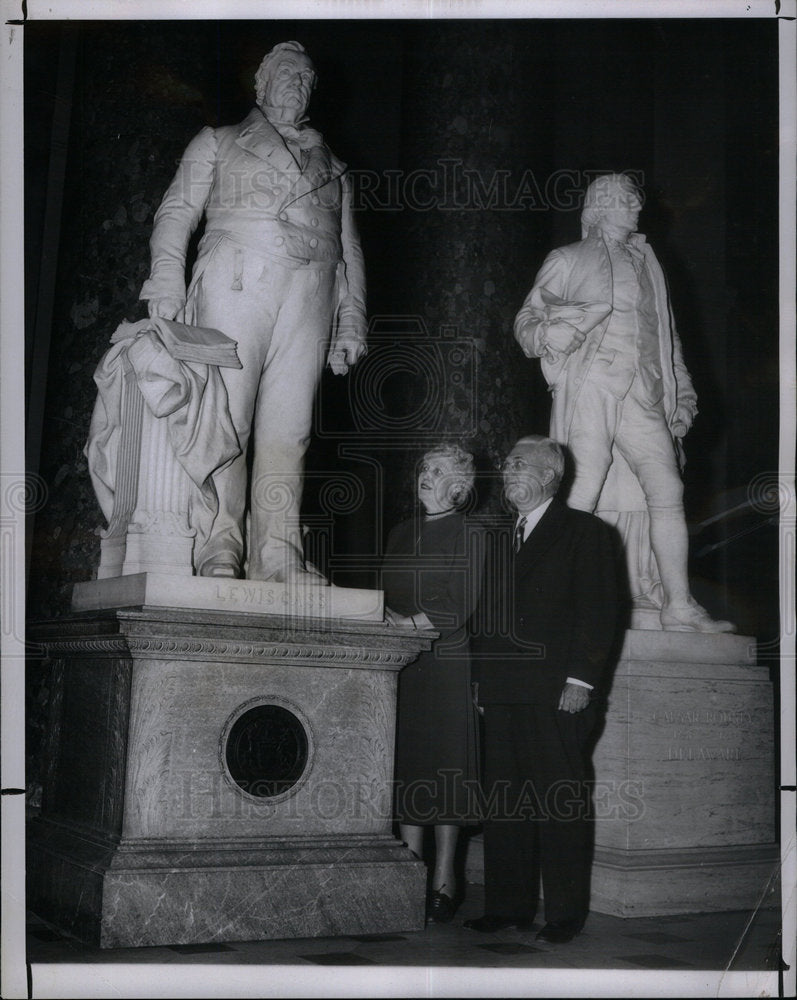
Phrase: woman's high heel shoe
(441, 907)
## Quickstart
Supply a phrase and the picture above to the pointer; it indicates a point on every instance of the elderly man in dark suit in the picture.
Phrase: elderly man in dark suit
(535, 679)
(280, 271)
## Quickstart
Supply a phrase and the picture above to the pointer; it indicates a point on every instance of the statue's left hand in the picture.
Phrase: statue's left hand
(680, 422)
(344, 352)
(167, 308)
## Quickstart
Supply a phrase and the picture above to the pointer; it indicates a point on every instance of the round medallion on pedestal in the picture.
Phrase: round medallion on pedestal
(266, 748)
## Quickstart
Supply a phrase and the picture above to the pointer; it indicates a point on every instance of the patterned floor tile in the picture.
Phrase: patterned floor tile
(337, 958)
(42, 933)
(654, 961)
(657, 937)
(510, 948)
(376, 938)
(199, 949)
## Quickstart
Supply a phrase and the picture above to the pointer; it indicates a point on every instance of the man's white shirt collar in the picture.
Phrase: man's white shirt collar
(533, 518)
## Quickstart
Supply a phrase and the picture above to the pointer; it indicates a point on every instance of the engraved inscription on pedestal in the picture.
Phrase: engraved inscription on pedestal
(705, 734)
(266, 749)
(268, 598)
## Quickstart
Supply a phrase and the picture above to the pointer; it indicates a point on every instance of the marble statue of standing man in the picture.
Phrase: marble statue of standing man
(599, 318)
(280, 271)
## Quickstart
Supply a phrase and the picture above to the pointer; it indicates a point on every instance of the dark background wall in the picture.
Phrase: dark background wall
(470, 142)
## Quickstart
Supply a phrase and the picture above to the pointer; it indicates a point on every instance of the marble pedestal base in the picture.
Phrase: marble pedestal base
(154, 827)
(127, 895)
(684, 778)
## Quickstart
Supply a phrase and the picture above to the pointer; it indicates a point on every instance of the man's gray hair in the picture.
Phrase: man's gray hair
(603, 195)
(551, 454)
(265, 68)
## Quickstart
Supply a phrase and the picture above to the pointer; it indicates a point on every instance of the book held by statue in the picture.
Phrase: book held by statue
(200, 344)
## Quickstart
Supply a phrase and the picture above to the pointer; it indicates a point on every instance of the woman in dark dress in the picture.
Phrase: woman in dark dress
(431, 578)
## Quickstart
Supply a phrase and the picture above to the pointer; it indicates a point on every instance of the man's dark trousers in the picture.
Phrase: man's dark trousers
(558, 595)
(535, 764)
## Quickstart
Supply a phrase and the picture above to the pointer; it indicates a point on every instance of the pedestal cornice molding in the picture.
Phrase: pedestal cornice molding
(173, 634)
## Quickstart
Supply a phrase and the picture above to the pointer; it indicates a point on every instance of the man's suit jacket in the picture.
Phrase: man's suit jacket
(548, 613)
(247, 183)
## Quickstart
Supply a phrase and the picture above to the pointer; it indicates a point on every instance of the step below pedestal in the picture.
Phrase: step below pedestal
(663, 883)
(130, 896)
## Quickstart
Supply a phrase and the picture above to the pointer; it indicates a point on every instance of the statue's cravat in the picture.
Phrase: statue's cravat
(303, 138)
(304, 144)
(628, 250)
(301, 141)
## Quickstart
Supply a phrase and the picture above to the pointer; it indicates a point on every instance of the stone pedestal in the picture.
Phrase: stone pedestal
(684, 772)
(217, 776)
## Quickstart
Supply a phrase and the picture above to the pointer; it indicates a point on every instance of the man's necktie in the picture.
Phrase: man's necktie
(519, 533)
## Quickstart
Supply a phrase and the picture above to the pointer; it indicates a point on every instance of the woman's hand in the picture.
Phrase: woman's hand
(418, 620)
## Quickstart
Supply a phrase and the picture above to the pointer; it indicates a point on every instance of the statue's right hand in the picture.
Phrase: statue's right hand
(563, 337)
(167, 308)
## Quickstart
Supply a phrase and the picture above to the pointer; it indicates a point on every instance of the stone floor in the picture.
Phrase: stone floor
(731, 954)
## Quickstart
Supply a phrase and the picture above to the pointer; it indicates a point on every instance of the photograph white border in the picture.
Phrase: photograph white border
(102, 980)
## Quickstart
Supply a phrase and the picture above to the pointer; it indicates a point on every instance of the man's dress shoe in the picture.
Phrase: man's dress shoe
(490, 923)
(560, 933)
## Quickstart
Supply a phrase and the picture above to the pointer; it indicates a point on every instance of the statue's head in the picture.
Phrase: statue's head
(445, 478)
(532, 472)
(285, 80)
(612, 200)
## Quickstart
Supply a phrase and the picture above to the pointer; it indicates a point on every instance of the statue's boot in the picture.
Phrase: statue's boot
(692, 617)
(220, 567)
(669, 540)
